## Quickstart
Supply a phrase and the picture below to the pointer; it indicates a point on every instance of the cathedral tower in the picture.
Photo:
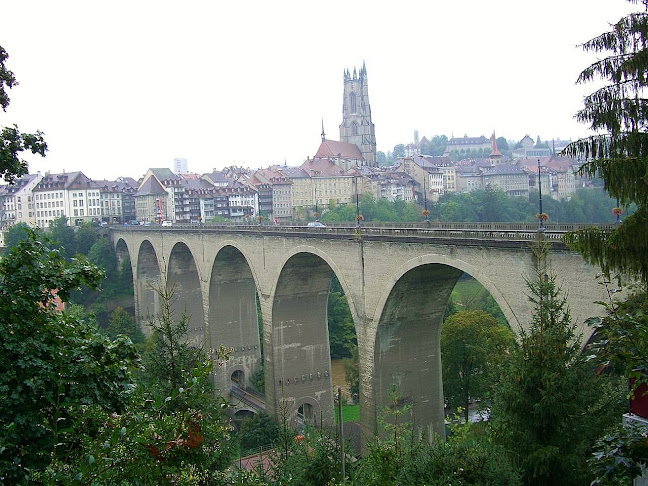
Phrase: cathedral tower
(356, 127)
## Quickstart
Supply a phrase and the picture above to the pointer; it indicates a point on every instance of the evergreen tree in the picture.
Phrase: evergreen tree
(618, 153)
(549, 406)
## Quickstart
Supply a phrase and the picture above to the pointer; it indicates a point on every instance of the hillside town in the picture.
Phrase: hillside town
(339, 172)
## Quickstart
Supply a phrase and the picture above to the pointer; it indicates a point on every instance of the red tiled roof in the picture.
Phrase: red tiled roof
(343, 150)
(320, 167)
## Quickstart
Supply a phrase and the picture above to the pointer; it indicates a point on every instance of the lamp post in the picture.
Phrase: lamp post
(427, 214)
(541, 227)
(357, 202)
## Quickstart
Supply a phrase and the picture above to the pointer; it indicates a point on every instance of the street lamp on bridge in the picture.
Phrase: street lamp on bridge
(541, 216)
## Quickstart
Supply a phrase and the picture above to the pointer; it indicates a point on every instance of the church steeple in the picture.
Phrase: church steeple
(323, 134)
(356, 126)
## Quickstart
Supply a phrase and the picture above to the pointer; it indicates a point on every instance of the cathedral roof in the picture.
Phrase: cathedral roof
(322, 167)
(341, 150)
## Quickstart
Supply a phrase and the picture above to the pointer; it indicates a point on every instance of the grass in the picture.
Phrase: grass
(350, 413)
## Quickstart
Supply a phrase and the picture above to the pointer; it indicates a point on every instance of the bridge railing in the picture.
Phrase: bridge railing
(475, 231)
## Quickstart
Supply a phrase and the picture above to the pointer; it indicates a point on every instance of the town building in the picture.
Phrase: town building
(467, 145)
(118, 200)
(72, 195)
(17, 201)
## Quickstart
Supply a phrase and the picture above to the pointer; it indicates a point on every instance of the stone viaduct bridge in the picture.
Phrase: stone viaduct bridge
(397, 282)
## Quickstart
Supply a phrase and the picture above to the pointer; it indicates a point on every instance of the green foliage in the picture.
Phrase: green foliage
(586, 205)
(15, 234)
(352, 372)
(619, 152)
(387, 454)
(472, 344)
(122, 323)
(620, 339)
(342, 335)
(169, 358)
(258, 431)
(63, 235)
(85, 236)
(468, 294)
(52, 362)
(12, 142)
(434, 146)
(465, 459)
(172, 431)
(619, 456)
(179, 439)
(549, 405)
(257, 379)
(399, 151)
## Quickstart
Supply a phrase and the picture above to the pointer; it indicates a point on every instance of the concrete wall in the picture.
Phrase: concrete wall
(397, 291)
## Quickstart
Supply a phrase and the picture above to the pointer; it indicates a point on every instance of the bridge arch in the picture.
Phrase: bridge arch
(148, 277)
(232, 314)
(298, 361)
(405, 358)
(183, 279)
(121, 251)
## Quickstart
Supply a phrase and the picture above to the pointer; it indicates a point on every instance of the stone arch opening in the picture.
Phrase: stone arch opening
(121, 251)
(148, 279)
(407, 354)
(238, 378)
(233, 319)
(299, 360)
(125, 269)
(241, 415)
(186, 301)
(306, 414)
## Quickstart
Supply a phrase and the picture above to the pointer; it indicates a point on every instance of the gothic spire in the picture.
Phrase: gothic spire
(323, 134)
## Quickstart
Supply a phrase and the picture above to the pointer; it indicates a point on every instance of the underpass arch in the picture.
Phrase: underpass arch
(232, 318)
(183, 280)
(298, 362)
(402, 353)
(148, 276)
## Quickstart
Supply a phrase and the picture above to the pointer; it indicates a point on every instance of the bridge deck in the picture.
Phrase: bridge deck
(510, 235)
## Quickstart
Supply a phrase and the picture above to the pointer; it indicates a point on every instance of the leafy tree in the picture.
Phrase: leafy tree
(342, 335)
(258, 431)
(352, 373)
(86, 236)
(63, 235)
(381, 158)
(618, 153)
(472, 344)
(52, 362)
(12, 142)
(399, 151)
(173, 431)
(468, 295)
(538, 413)
(15, 234)
(502, 144)
(122, 323)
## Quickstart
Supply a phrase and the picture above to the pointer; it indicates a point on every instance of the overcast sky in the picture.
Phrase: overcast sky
(121, 86)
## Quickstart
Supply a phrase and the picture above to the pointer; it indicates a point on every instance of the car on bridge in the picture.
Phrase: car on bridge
(315, 224)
